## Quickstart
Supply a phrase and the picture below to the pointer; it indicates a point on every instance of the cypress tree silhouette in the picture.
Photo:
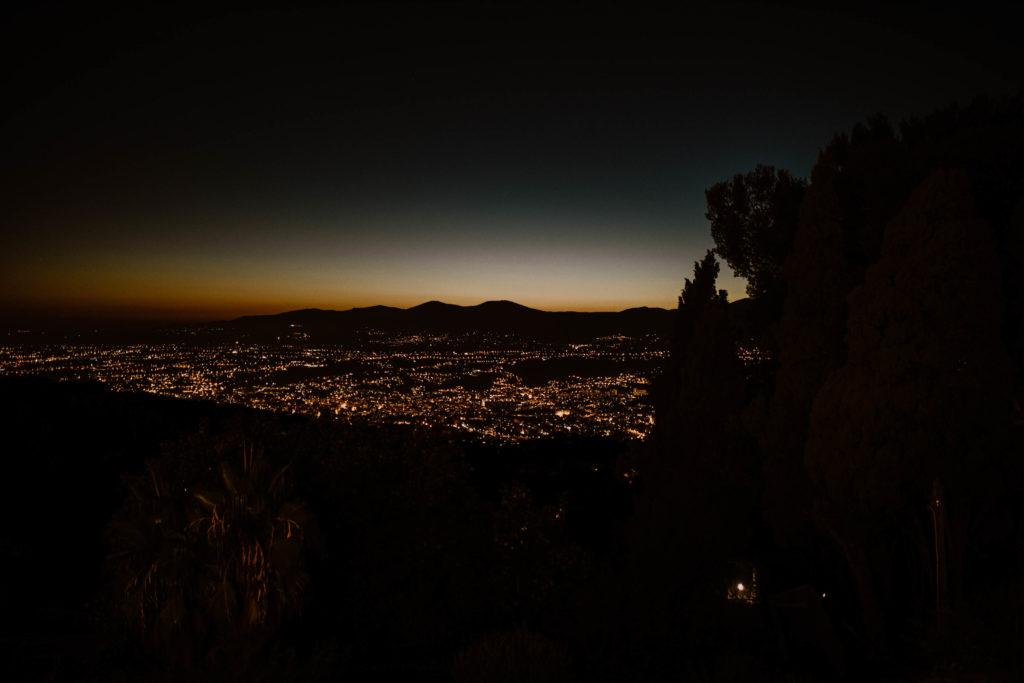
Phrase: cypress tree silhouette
(697, 477)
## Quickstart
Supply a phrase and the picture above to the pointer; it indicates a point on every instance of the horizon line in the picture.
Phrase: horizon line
(151, 316)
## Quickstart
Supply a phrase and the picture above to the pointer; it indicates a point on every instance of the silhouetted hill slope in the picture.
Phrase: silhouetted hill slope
(65, 445)
(395, 519)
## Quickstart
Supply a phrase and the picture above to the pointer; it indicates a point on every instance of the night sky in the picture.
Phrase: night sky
(188, 164)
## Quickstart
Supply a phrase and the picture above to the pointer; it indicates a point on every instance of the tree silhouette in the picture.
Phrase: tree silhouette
(703, 380)
(753, 220)
(697, 301)
(255, 534)
(210, 559)
(897, 354)
(697, 476)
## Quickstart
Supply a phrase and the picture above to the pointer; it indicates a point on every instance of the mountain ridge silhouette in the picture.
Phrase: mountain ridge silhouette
(500, 316)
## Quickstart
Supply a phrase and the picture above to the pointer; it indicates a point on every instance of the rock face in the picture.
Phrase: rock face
(922, 398)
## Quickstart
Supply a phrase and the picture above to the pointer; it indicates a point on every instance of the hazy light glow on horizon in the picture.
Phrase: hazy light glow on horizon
(553, 271)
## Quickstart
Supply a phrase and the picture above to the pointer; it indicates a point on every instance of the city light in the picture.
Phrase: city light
(504, 389)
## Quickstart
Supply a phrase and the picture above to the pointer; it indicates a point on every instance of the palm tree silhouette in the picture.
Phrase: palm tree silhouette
(206, 555)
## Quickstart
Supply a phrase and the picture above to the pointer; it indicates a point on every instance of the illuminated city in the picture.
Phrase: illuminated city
(459, 342)
(505, 389)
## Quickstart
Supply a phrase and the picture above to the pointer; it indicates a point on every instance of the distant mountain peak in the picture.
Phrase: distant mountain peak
(430, 305)
(504, 303)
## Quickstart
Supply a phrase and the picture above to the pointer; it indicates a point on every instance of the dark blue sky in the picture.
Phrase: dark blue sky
(193, 164)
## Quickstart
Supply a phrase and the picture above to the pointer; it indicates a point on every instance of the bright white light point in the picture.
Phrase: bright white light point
(739, 586)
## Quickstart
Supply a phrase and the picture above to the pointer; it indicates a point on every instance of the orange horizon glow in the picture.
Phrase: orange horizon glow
(195, 283)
